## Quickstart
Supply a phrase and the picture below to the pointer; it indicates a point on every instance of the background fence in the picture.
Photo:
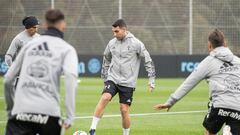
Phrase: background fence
(167, 27)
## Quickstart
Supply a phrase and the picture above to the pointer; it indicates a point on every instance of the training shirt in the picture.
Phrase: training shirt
(17, 43)
(42, 61)
(121, 61)
(221, 70)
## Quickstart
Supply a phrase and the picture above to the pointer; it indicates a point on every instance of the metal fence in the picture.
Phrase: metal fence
(166, 27)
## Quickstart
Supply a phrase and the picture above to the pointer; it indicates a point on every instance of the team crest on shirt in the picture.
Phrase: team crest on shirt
(232, 83)
(38, 69)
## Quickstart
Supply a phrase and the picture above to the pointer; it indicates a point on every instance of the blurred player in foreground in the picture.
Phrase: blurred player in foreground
(36, 107)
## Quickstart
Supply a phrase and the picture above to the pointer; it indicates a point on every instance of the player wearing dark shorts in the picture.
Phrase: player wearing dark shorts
(121, 63)
(32, 124)
(125, 93)
(221, 70)
(217, 117)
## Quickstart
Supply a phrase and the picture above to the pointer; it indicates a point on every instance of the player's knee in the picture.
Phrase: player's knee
(208, 133)
(124, 110)
(106, 97)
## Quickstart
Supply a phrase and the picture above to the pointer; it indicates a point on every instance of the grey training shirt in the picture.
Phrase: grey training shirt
(221, 69)
(17, 43)
(42, 61)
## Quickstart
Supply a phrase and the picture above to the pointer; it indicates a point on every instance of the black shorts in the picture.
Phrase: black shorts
(125, 93)
(217, 117)
(39, 124)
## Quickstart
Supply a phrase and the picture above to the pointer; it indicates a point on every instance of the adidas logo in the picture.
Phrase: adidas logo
(129, 100)
(41, 50)
(43, 46)
(228, 67)
(226, 64)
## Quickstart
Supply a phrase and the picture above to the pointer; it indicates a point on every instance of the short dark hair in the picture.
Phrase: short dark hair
(30, 21)
(119, 23)
(216, 38)
(52, 16)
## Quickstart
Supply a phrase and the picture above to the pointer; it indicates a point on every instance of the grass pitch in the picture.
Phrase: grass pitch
(148, 123)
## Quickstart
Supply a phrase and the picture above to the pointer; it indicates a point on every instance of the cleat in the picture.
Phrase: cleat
(92, 132)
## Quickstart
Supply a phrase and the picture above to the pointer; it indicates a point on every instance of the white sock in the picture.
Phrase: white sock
(126, 131)
(94, 122)
(227, 130)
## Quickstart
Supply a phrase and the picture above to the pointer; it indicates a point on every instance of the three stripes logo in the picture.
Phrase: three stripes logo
(226, 64)
(43, 46)
(41, 50)
(228, 67)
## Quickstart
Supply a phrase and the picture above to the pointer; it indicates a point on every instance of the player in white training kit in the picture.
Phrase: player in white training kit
(31, 27)
(221, 69)
(121, 63)
(41, 62)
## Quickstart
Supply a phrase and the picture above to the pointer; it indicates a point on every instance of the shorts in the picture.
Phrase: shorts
(39, 124)
(125, 93)
(217, 117)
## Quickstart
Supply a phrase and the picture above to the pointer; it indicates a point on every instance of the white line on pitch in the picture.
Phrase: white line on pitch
(139, 114)
(145, 114)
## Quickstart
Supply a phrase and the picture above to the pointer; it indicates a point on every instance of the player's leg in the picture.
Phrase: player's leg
(213, 122)
(124, 108)
(108, 93)
(125, 99)
(104, 100)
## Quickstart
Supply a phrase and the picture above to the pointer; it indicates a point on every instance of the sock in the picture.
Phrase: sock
(94, 122)
(126, 131)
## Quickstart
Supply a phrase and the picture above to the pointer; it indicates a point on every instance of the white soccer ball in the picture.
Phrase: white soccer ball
(80, 133)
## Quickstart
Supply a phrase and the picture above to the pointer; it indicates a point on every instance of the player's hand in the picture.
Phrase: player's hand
(8, 60)
(162, 106)
(66, 126)
(151, 86)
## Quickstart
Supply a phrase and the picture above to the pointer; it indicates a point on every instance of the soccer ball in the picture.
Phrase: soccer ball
(80, 133)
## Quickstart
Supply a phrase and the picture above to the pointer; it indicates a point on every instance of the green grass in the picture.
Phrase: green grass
(89, 92)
